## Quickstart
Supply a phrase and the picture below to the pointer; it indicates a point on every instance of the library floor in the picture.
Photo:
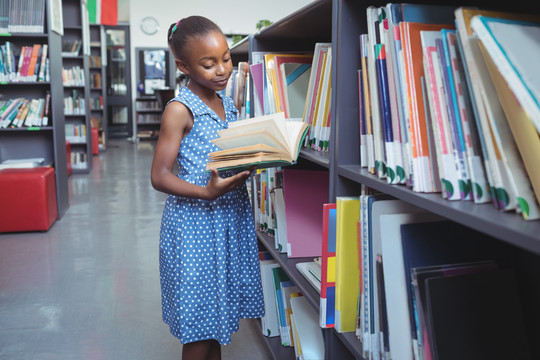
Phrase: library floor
(88, 289)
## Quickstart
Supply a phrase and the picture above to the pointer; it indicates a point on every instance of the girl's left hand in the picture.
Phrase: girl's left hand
(218, 186)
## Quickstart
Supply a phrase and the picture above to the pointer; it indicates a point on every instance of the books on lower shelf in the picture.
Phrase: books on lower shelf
(19, 112)
(266, 141)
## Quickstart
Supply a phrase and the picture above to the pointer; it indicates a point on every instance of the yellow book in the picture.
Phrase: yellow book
(347, 268)
(270, 65)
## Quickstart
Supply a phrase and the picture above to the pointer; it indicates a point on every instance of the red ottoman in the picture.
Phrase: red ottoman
(95, 141)
(27, 199)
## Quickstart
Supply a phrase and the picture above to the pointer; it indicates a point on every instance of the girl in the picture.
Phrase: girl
(209, 267)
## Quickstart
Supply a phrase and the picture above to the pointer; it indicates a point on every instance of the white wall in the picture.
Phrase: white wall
(232, 16)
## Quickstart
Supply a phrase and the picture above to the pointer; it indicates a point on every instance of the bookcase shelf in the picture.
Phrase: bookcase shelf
(74, 32)
(98, 115)
(341, 22)
(276, 350)
(44, 141)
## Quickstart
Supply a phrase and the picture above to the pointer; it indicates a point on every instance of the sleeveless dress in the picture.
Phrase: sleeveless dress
(208, 255)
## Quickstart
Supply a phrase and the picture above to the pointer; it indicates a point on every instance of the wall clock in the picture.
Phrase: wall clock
(149, 25)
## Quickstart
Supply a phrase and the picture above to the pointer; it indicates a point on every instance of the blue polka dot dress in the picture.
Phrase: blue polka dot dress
(208, 256)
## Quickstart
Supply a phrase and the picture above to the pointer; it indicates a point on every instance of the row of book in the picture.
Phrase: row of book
(71, 47)
(28, 63)
(148, 118)
(426, 123)
(95, 81)
(96, 103)
(95, 61)
(76, 133)
(74, 104)
(413, 285)
(287, 313)
(21, 111)
(22, 16)
(73, 76)
(79, 160)
(297, 84)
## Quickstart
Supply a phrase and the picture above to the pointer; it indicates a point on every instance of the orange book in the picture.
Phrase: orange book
(33, 59)
(414, 72)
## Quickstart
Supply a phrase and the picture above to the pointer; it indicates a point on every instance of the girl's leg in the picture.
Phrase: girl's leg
(201, 350)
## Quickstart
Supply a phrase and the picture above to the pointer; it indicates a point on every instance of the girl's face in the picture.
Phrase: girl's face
(208, 61)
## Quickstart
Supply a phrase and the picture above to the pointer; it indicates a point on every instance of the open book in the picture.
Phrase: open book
(264, 141)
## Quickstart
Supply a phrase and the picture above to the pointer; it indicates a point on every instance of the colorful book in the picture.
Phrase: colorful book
(368, 140)
(424, 180)
(280, 276)
(444, 147)
(463, 109)
(328, 267)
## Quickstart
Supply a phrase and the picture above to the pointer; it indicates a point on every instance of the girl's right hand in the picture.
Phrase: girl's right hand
(218, 186)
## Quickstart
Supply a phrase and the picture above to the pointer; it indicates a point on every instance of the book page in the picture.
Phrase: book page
(249, 139)
(275, 124)
(295, 129)
(244, 150)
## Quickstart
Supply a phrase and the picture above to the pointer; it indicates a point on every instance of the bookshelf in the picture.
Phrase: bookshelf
(76, 86)
(46, 141)
(341, 22)
(155, 71)
(98, 100)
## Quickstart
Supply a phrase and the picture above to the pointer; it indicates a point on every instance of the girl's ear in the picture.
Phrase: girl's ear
(182, 66)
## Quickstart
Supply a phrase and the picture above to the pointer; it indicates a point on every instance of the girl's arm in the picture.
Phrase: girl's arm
(175, 123)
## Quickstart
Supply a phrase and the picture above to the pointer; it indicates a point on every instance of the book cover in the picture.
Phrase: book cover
(462, 107)
(445, 242)
(280, 276)
(414, 72)
(419, 276)
(33, 60)
(379, 205)
(347, 269)
(316, 71)
(270, 322)
(310, 335)
(444, 148)
(453, 118)
(513, 48)
(369, 141)
(470, 314)
(305, 192)
(304, 62)
(526, 139)
(295, 77)
(372, 13)
(401, 340)
(485, 102)
(328, 267)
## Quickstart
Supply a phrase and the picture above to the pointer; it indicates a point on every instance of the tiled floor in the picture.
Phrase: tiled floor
(88, 289)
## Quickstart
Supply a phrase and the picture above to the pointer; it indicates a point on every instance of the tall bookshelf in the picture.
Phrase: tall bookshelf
(98, 100)
(76, 86)
(47, 141)
(150, 75)
(341, 22)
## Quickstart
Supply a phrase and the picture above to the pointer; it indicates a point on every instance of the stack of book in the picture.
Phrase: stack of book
(436, 85)
(28, 63)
